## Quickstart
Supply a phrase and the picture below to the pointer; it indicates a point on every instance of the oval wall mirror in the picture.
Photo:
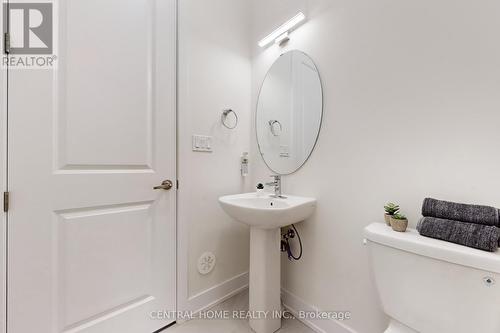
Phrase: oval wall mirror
(289, 112)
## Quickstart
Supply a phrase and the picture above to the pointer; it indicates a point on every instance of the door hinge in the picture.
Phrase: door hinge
(6, 201)
(6, 43)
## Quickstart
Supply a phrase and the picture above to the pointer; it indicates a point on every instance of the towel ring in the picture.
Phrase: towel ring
(224, 116)
(273, 128)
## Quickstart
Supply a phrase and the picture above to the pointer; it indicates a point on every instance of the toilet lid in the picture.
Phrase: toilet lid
(411, 241)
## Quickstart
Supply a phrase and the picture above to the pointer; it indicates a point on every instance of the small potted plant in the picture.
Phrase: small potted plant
(399, 222)
(390, 209)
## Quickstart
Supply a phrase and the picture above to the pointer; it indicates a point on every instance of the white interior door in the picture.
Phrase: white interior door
(91, 245)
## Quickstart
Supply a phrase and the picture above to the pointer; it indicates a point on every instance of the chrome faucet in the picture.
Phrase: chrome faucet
(277, 187)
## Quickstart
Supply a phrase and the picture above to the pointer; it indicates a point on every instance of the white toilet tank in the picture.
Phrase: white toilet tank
(433, 286)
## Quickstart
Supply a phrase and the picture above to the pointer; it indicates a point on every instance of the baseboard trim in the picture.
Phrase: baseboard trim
(218, 293)
(237, 284)
(294, 304)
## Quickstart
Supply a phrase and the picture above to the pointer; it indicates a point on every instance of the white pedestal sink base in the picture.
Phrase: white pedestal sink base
(266, 215)
(265, 279)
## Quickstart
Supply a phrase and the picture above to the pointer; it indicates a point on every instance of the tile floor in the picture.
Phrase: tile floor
(236, 303)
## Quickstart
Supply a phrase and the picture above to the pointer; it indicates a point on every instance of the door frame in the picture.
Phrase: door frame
(3, 179)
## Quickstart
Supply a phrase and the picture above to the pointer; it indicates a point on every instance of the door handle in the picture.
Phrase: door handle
(165, 185)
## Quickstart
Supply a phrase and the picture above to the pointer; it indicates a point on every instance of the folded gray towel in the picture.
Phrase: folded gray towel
(478, 236)
(461, 212)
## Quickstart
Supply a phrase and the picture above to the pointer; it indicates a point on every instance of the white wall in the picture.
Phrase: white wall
(214, 74)
(412, 100)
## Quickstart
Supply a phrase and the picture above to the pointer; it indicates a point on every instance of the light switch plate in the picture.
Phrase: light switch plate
(284, 151)
(202, 143)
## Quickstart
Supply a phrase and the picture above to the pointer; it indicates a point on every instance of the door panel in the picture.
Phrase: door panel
(86, 258)
(122, 43)
(91, 244)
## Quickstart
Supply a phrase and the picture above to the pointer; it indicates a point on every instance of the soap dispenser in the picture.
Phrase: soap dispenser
(260, 189)
(244, 164)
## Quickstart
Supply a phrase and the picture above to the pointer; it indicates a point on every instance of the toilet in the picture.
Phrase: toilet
(431, 286)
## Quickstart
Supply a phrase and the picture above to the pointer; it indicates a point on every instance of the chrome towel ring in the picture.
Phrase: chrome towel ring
(224, 119)
(275, 127)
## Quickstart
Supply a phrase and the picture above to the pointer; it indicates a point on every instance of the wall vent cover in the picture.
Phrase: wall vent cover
(206, 263)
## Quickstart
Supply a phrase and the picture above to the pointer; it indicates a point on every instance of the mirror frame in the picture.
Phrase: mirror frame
(320, 121)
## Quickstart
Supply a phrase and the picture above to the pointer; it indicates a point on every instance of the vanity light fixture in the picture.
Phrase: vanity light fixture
(281, 34)
(282, 39)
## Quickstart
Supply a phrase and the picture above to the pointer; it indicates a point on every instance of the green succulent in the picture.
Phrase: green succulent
(391, 208)
(399, 216)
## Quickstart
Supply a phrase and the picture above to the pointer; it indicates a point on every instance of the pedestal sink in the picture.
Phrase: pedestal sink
(266, 215)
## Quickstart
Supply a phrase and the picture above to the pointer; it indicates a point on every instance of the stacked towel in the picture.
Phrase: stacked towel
(483, 237)
(470, 225)
(460, 212)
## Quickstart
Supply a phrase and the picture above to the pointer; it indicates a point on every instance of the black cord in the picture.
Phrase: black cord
(290, 254)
